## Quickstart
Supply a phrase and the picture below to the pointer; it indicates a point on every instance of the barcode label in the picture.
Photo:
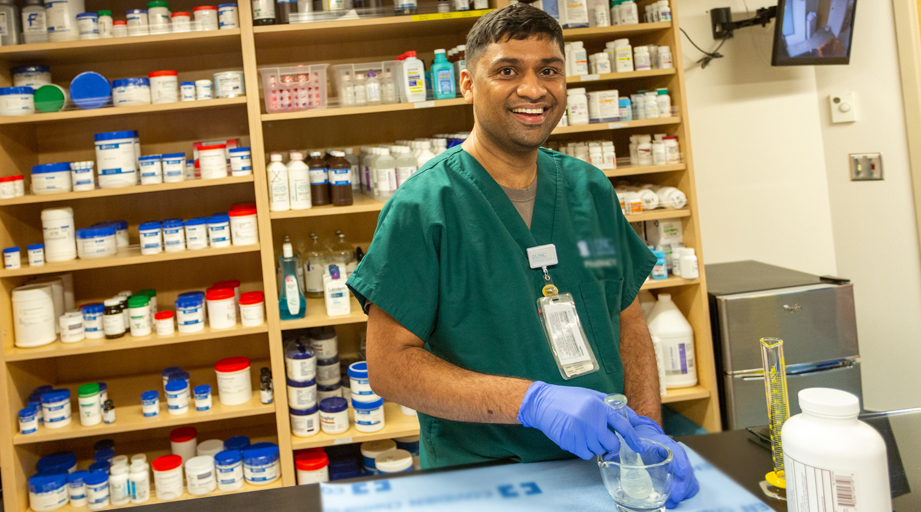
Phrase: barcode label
(814, 489)
(564, 334)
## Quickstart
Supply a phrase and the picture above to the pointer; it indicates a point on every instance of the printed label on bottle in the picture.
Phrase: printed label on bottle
(34, 22)
(403, 174)
(314, 278)
(340, 176)
(386, 180)
(445, 82)
(113, 324)
(679, 359)
(294, 303)
(318, 176)
(3, 25)
(815, 489)
(416, 81)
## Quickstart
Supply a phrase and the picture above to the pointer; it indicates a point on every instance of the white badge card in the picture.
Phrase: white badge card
(542, 256)
(570, 347)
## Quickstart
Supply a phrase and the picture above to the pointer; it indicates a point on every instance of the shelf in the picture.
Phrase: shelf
(659, 214)
(611, 77)
(684, 394)
(614, 32)
(637, 170)
(317, 317)
(277, 484)
(131, 256)
(118, 111)
(367, 109)
(362, 204)
(669, 282)
(396, 424)
(58, 349)
(341, 31)
(139, 189)
(129, 418)
(123, 48)
(617, 125)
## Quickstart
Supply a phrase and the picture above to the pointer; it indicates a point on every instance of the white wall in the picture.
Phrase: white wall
(773, 183)
(757, 150)
(875, 232)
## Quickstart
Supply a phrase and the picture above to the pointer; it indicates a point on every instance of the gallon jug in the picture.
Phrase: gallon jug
(677, 337)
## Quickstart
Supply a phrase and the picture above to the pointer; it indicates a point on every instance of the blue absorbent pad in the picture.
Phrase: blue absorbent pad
(557, 485)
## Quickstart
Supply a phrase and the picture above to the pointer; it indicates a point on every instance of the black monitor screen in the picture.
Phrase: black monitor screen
(810, 32)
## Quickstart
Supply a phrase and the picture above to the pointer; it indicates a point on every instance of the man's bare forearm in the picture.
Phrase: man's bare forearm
(422, 381)
(641, 375)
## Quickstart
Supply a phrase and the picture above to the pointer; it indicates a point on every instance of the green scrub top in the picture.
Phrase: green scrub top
(449, 263)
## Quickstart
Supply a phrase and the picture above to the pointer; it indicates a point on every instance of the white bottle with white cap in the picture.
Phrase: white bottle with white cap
(623, 56)
(827, 439)
(279, 200)
(577, 106)
(689, 269)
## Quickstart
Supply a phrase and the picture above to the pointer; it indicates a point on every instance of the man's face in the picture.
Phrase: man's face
(518, 91)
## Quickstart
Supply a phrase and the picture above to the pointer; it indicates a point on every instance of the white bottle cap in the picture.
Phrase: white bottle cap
(287, 250)
(829, 403)
(275, 157)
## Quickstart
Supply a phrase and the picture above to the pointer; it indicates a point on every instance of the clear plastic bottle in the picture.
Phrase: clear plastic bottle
(361, 92)
(291, 301)
(373, 88)
(425, 153)
(343, 254)
(385, 172)
(388, 89)
(316, 258)
(406, 164)
(347, 91)
(299, 182)
(279, 199)
(366, 166)
(356, 174)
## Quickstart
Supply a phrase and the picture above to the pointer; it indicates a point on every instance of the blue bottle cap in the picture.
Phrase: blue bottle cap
(84, 15)
(227, 457)
(334, 387)
(96, 307)
(149, 158)
(35, 247)
(173, 155)
(236, 443)
(238, 150)
(296, 384)
(128, 82)
(4, 91)
(43, 389)
(196, 221)
(172, 223)
(10, 250)
(147, 226)
(180, 375)
(304, 412)
(218, 218)
(57, 395)
(171, 370)
(59, 462)
(367, 406)
(136, 11)
(334, 404)
(46, 168)
(31, 69)
(187, 83)
(298, 350)
(174, 386)
(226, 5)
(150, 395)
(78, 477)
(358, 370)
(90, 90)
(113, 136)
(328, 362)
(101, 455)
(257, 455)
(28, 411)
(98, 474)
(40, 484)
(204, 389)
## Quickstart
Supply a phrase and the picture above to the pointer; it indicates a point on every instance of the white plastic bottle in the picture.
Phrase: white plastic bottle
(278, 184)
(668, 324)
(629, 14)
(386, 174)
(651, 106)
(579, 59)
(665, 58)
(412, 78)
(623, 54)
(664, 103)
(641, 60)
(139, 482)
(118, 485)
(34, 29)
(355, 177)
(425, 153)
(299, 182)
(689, 269)
(405, 162)
(827, 439)
(574, 13)
(578, 106)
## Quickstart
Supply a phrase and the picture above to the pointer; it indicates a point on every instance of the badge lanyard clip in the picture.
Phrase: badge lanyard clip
(549, 288)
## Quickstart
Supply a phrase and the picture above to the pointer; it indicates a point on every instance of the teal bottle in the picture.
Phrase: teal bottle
(291, 302)
(443, 77)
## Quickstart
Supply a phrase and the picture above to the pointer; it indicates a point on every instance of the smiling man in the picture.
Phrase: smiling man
(455, 329)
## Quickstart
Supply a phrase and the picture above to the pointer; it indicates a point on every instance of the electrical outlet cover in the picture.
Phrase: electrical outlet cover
(843, 107)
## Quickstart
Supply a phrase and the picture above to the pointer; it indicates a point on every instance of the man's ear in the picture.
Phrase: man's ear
(466, 86)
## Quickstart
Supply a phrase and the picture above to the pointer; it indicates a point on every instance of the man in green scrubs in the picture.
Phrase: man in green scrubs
(454, 329)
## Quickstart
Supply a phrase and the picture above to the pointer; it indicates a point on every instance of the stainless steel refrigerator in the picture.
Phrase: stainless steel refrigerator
(813, 315)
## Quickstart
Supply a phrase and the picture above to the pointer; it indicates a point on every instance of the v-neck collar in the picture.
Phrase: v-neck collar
(544, 215)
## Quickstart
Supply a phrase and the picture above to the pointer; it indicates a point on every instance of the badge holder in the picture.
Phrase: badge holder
(570, 347)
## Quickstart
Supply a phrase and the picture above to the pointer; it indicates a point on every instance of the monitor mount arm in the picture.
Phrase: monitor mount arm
(723, 26)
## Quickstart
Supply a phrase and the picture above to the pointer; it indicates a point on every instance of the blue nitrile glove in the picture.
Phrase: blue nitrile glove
(576, 419)
(685, 484)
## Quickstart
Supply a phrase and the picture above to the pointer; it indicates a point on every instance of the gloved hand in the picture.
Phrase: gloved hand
(685, 484)
(576, 419)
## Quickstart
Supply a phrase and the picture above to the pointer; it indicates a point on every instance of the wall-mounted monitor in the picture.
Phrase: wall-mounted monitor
(813, 32)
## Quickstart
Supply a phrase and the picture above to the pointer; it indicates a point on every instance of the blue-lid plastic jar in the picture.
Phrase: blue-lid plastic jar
(229, 468)
(300, 361)
(236, 443)
(305, 422)
(47, 492)
(59, 462)
(260, 464)
(90, 90)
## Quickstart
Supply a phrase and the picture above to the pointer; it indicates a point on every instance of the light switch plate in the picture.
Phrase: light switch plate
(843, 107)
(866, 166)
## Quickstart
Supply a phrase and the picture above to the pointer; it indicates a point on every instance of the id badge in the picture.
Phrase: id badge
(570, 347)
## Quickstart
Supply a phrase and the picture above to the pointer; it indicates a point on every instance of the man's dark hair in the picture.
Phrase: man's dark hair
(512, 22)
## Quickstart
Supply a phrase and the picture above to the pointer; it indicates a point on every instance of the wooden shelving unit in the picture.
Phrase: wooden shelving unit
(132, 365)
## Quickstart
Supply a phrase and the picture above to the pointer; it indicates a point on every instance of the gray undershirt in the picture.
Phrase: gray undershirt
(523, 200)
